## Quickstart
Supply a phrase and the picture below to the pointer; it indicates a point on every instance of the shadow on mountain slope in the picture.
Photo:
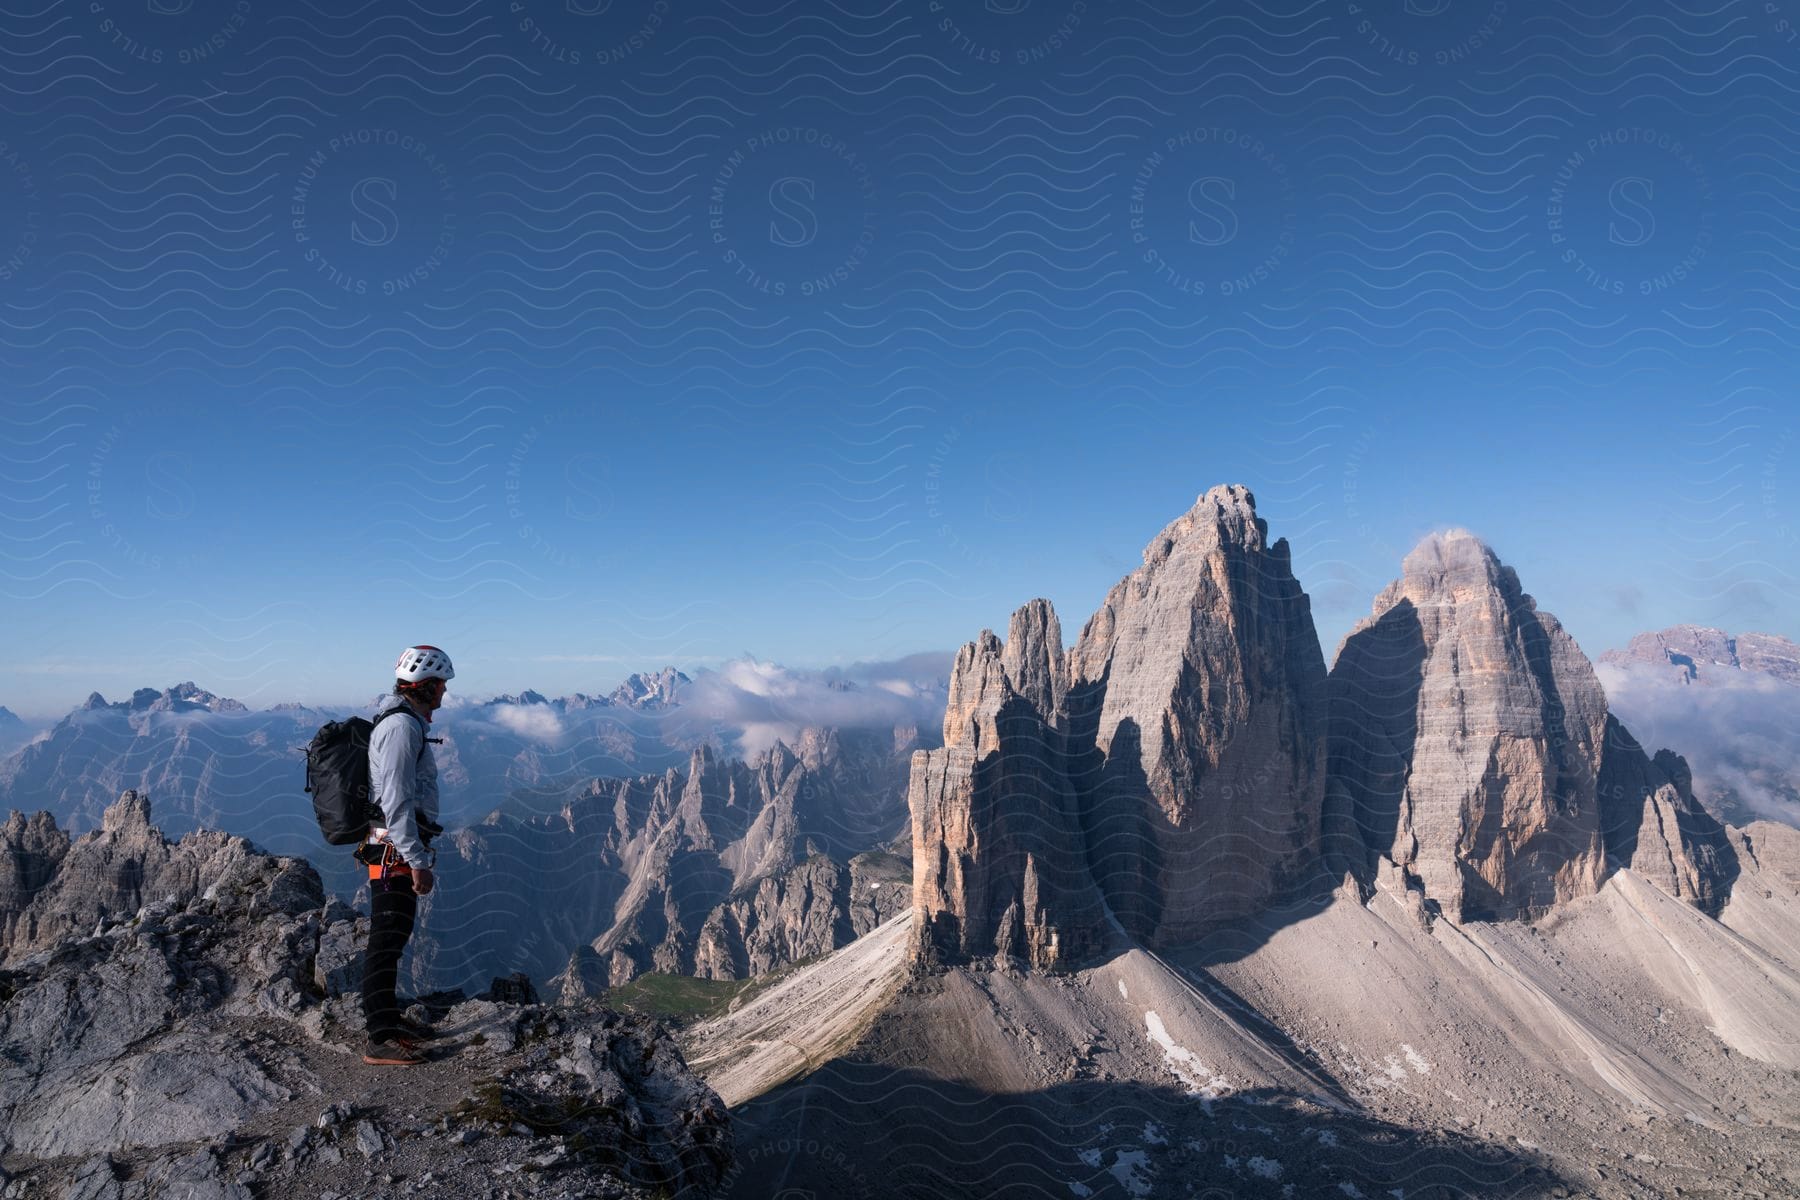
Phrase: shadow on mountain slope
(858, 1129)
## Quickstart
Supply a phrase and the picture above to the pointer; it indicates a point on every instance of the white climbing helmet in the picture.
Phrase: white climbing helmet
(423, 662)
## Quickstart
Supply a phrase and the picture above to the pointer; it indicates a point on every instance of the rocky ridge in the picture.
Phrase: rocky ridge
(190, 1036)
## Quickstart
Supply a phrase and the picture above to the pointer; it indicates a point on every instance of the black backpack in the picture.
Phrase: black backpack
(337, 776)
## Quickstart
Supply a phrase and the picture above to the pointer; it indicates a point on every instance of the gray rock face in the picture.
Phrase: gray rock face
(1704, 656)
(1170, 769)
(30, 850)
(1466, 733)
(1200, 685)
(1653, 824)
(1769, 850)
(127, 864)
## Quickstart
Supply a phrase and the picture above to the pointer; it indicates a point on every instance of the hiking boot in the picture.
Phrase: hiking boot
(391, 1052)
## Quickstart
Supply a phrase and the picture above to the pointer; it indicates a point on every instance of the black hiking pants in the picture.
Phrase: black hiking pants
(393, 908)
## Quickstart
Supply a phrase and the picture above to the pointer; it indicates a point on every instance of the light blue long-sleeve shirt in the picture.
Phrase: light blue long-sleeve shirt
(404, 779)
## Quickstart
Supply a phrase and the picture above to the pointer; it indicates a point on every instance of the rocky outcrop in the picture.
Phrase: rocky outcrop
(100, 1042)
(133, 1050)
(1704, 656)
(1653, 825)
(64, 889)
(30, 851)
(1467, 729)
(1168, 772)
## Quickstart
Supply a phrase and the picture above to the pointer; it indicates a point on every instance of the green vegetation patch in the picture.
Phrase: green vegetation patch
(880, 862)
(676, 997)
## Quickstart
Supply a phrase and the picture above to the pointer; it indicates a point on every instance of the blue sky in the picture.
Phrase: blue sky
(816, 335)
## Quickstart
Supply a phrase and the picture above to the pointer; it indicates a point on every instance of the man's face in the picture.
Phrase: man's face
(428, 694)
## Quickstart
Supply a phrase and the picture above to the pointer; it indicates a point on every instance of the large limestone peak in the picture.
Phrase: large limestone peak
(1170, 766)
(1467, 729)
(1223, 513)
(1200, 684)
(1031, 664)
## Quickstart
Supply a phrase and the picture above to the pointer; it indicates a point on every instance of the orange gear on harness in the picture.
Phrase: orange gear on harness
(390, 863)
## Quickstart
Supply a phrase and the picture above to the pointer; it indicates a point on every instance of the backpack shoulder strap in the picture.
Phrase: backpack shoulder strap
(407, 709)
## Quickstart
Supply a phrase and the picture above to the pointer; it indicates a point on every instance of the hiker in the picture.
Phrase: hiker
(403, 783)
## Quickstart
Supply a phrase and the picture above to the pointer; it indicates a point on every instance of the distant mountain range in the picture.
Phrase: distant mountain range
(13, 731)
(724, 869)
(667, 853)
(207, 761)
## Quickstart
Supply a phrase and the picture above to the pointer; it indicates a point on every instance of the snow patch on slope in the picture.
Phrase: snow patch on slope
(1199, 1079)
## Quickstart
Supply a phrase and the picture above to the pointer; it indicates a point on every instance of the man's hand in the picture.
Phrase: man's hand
(423, 881)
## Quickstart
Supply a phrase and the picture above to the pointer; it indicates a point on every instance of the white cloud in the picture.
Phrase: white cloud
(1740, 735)
(535, 722)
(767, 701)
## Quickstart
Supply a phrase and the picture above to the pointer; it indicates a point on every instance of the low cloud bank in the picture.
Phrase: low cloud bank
(766, 702)
(1741, 736)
